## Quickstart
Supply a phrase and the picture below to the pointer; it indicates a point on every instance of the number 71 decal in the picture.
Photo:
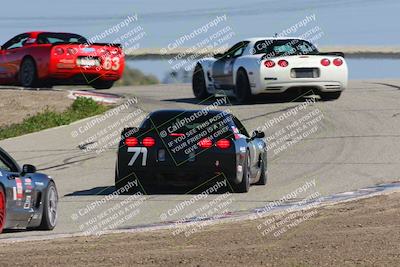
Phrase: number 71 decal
(137, 151)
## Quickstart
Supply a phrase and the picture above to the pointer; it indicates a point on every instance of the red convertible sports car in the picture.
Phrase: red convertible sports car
(43, 59)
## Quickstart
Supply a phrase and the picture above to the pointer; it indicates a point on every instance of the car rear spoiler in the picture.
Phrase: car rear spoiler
(108, 44)
(99, 44)
(339, 54)
(127, 132)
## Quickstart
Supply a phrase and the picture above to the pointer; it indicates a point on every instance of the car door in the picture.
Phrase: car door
(222, 69)
(11, 55)
(18, 190)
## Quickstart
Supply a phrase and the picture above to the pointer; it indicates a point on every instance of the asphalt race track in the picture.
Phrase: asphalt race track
(354, 144)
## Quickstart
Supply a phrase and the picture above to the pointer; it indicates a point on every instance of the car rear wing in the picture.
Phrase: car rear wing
(339, 54)
(108, 44)
(99, 44)
(128, 132)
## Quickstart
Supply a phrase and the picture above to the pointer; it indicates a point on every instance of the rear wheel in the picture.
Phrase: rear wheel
(244, 185)
(2, 209)
(28, 73)
(263, 169)
(50, 202)
(242, 89)
(101, 85)
(326, 96)
(199, 83)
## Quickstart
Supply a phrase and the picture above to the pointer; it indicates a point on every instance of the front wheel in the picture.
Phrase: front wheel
(50, 202)
(100, 84)
(326, 96)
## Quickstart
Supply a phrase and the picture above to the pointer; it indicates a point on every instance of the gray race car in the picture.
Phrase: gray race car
(27, 199)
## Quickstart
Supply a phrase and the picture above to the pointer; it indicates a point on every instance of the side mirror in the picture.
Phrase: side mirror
(257, 134)
(27, 168)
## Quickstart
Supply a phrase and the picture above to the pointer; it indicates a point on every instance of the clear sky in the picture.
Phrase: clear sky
(349, 22)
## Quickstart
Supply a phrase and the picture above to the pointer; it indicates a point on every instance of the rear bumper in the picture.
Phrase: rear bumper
(317, 86)
(181, 174)
(83, 76)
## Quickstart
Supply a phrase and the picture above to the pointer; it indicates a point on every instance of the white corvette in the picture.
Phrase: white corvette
(271, 65)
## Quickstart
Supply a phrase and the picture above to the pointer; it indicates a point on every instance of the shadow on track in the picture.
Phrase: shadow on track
(256, 100)
(159, 190)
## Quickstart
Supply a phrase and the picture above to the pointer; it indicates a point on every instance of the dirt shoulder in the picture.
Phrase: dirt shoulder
(15, 105)
(364, 232)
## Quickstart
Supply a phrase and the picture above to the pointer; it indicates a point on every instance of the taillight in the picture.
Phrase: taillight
(223, 143)
(71, 51)
(205, 143)
(116, 52)
(337, 62)
(176, 134)
(148, 141)
(59, 51)
(131, 141)
(283, 63)
(269, 64)
(325, 62)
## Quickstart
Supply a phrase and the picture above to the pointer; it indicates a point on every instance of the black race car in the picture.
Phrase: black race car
(27, 199)
(188, 148)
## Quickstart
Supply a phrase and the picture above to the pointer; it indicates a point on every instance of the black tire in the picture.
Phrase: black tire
(264, 175)
(50, 201)
(102, 85)
(242, 89)
(199, 83)
(327, 96)
(244, 185)
(121, 183)
(3, 209)
(28, 73)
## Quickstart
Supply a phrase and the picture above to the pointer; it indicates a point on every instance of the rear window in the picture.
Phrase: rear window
(183, 122)
(277, 48)
(54, 38)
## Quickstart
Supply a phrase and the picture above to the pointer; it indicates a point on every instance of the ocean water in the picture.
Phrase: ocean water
(339, 22)
(344, 22)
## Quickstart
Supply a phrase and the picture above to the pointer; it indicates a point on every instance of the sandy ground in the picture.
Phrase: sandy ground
(16, 105)
(360, 233)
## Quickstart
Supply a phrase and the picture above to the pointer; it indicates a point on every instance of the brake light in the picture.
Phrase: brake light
(269, 64)
(71, 51)
(223, 143)
(205, 143)
(131, 141)
(148, 141)
(325, 62)
(176, 134)
(116, 52)
(283, 63)
(59, 51)
(337, 62)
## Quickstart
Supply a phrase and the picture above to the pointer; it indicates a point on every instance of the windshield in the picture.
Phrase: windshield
(53, 38)
(289, 47)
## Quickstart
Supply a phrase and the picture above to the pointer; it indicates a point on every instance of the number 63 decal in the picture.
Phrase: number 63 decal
(137, 151)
